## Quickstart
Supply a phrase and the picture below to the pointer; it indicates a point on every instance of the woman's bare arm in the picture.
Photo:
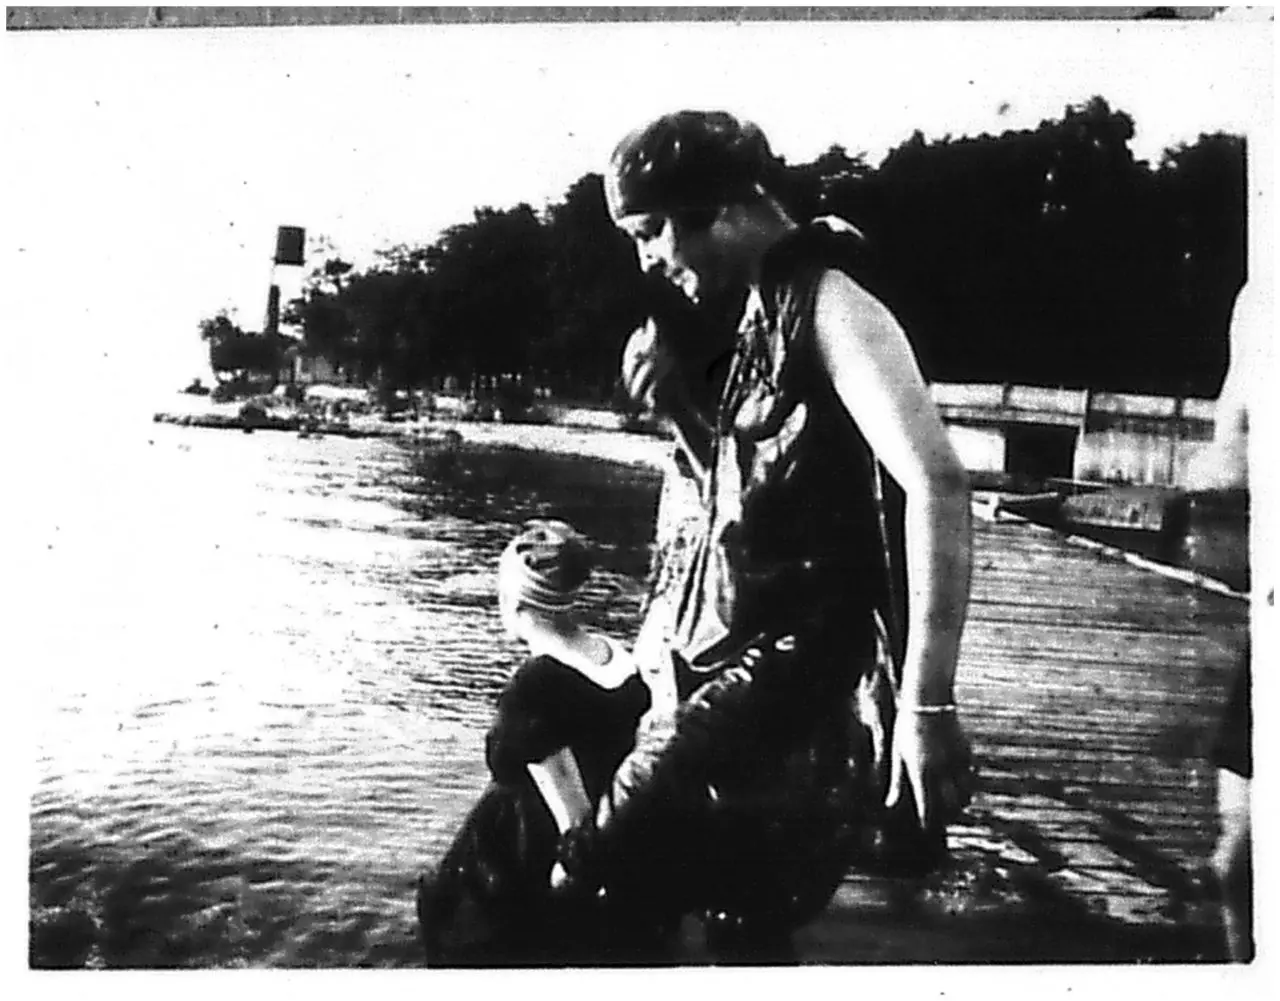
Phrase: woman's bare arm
(875, 374)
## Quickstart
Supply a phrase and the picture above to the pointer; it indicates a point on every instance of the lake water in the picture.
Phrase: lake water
(260, 669)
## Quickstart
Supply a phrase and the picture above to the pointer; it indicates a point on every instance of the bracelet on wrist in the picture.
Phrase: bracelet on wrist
(924, 710)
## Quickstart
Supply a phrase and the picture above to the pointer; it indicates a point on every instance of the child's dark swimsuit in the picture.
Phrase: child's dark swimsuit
(489, 900)
(548, 706)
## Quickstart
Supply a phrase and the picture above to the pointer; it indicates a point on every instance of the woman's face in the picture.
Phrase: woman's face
(694, 258)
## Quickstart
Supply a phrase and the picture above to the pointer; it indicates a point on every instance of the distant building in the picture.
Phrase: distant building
(1039, 433)
(307, 370)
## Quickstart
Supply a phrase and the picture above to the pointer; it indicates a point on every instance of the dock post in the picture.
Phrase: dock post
(1173, 440)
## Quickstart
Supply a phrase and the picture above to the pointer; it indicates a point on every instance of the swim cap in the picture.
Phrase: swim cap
(687, 160)
(545, 565)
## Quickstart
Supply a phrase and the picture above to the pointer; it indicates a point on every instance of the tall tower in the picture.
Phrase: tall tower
(290, 241)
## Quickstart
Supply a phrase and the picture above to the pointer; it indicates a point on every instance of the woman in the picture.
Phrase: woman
(791, 388)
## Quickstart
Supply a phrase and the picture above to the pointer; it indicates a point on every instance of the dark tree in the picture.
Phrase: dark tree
(490, 296)
(321, 313)
(596, 293)
(237, 353)
(1052, 257)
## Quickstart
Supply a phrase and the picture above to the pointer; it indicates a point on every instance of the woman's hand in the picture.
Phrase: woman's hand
(559, 877)
(932, 759)
(646, 366)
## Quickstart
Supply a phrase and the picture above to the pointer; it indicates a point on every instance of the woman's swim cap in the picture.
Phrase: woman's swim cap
(686, 161)
(544, 565)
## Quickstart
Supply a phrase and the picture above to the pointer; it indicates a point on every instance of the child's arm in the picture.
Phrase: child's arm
(559, 780)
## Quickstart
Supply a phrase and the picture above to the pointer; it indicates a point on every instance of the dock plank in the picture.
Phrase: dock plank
(1101, 682)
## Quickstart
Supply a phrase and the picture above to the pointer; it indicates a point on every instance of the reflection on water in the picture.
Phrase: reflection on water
(270, 710)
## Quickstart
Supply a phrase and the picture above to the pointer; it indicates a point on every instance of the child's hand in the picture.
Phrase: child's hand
(573, 872)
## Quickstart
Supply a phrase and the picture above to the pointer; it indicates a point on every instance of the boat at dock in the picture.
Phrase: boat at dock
(1084, 505)
(1042, 507)
(1204, 532)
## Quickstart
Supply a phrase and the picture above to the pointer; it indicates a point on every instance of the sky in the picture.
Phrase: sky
(147, 171)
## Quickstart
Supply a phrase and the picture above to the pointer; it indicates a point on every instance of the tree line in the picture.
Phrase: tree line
(1047, 256)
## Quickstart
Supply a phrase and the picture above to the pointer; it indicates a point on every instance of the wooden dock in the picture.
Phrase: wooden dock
(1091, 688)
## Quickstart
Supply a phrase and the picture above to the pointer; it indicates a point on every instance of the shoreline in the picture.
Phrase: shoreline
(583, 431)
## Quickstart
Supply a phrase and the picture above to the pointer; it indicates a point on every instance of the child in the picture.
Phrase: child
(568, 715)
(565, 720)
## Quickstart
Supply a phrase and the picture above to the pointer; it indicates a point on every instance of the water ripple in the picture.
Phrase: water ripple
(280, 716)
